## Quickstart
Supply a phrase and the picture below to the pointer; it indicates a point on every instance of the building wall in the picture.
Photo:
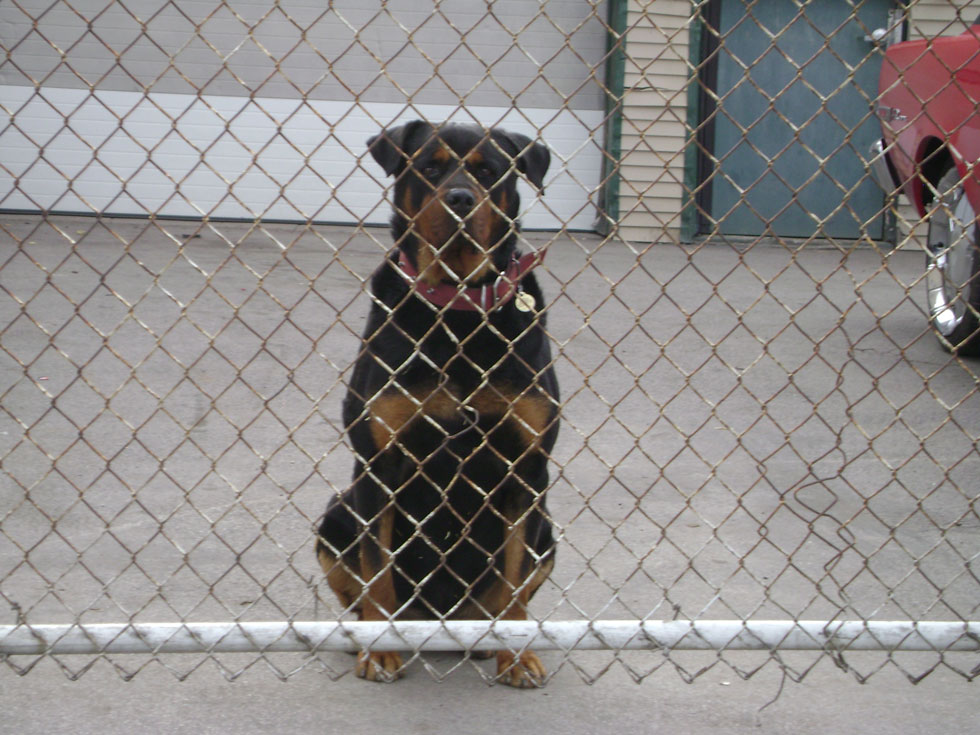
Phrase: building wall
(254, 109)
(317, 51)
(929, 18)
(244, 110)
(655, 125)
(654, 119)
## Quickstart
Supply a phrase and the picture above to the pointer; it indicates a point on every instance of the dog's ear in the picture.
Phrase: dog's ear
(392, 147)
(530, 157)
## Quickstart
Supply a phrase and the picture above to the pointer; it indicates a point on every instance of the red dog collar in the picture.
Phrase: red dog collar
(478, 298)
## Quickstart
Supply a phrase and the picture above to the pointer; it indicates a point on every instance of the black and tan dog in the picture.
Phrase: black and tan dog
(452, 406)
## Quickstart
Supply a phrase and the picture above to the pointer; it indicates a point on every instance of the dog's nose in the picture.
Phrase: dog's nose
(461, 201)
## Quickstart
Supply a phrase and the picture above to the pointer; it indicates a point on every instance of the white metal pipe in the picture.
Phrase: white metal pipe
(483, 635)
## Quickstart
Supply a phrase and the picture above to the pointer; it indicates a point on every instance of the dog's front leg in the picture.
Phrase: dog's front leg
(525, 669)
(379, 601)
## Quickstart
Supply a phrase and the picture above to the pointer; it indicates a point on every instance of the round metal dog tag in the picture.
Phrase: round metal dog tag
(524, 301)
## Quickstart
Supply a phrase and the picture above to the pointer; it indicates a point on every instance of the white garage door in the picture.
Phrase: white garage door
(238, 110)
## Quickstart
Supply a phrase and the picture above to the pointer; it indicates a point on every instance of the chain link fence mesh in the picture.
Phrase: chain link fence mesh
(755, 426)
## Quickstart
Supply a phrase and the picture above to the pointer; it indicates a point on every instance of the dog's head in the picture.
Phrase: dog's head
(455, 195)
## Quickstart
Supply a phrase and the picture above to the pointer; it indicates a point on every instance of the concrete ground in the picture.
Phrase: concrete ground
(828, 701)
(748, 432)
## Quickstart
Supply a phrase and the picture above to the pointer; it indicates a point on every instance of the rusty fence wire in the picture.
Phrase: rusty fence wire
(765, 456)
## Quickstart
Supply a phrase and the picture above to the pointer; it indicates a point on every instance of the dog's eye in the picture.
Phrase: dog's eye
(431, 172)
(485, 175)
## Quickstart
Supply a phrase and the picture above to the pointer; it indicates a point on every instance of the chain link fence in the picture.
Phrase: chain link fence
(764, 452)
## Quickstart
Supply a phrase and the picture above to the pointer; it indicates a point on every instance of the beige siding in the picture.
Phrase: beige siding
(929, 18)
(654, 119)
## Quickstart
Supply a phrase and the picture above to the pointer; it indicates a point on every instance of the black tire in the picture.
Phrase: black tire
(953, 268)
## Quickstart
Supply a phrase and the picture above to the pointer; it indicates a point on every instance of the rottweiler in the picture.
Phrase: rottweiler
(452, 405)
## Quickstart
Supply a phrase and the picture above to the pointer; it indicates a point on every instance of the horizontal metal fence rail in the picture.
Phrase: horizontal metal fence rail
(597, 635)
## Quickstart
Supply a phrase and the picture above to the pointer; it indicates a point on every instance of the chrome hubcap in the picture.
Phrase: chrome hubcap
(951, 245)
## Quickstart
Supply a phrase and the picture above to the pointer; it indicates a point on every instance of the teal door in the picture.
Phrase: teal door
(793, 121)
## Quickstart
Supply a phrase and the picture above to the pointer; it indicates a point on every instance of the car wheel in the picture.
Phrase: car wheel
(953, 268)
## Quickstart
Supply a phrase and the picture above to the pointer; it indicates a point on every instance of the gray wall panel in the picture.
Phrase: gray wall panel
(536, 54)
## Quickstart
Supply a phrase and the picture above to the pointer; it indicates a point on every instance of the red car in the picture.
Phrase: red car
(927, 103)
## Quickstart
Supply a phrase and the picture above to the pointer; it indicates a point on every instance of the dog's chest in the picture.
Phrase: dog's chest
(461, 378)
(442, 410)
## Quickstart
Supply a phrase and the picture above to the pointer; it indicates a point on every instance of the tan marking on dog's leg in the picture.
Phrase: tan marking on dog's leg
(340, 580)
(523, 670)
(379, 602)
(531, 413)
(379, 666)
(389, 413)
(394, 410)
(540, 575)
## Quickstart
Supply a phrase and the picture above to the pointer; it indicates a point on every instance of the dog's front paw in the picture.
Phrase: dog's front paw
(379, 666)
(524, 671)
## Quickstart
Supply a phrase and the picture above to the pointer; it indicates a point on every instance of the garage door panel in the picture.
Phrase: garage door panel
(243, 110)
(191, 156)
